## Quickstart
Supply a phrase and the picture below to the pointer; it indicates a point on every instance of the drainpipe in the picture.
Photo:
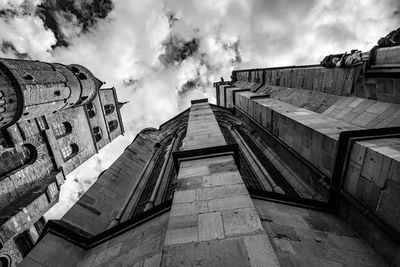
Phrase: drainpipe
(150, 204)
(117, 219)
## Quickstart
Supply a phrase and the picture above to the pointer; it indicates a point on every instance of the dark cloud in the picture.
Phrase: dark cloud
(55, 13)
(26, 8)
(8, 48)
(235, 47)
(177, 50)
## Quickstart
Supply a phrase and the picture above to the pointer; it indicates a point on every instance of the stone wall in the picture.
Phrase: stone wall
(141, 246)
(304, 237)
(107, 97)
(101, 203)
(80, 136)
(212, 219)
(373, 178)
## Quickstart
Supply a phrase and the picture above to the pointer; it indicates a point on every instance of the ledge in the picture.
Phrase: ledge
(197, 101)
(207, 152)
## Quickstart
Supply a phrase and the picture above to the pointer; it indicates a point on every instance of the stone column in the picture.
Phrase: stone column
(213, 221)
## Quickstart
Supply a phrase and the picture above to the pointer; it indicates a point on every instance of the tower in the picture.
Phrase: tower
(53, 118)
(294, 166)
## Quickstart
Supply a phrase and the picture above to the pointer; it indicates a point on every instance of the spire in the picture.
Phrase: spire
(98, 83)
(120, 104)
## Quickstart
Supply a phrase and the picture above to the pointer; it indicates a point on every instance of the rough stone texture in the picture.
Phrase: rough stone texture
(373, 177)
(303, 237)
(227, 252)
(208, 213)
(49, 95)
(320, 133)
(112, 187)
(140, 246)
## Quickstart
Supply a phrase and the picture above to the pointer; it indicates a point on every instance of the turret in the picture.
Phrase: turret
(30, 89)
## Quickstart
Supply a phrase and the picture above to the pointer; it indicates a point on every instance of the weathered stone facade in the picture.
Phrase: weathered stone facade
(294, 166)
(46, 133)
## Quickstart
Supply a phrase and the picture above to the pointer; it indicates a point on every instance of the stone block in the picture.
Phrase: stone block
(193, 172)
(227, 253)
(388, 207)
(260, 251)
(211, 180)
(229, 166)
(351, 180)
(183, 196)
(210, 226)
(153, 261)
(364, 118)
(350, 243)
(368, 193)
(230, 178)
(188, 208)
(274, 230)
(235, 202)
(372, 165)
(357, 154)
(107, 254)
(181, 235)
(292, 220)
(379, 107)
(184, 221)
(394, 171)
(221, 192)
(190, 183)
(241, 222)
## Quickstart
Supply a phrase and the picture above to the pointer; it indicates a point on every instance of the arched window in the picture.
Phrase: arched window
(62, 129)
(15, 159)
(91, 109)
(109, 108)
(97, 133)
(82, 76)
(5, 261)
(112, 125)
(69, 151)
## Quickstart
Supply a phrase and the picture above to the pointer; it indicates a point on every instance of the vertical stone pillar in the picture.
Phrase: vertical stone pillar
(213, 221)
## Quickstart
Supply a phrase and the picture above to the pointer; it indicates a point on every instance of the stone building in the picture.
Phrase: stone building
(294, 166)
(53, 118)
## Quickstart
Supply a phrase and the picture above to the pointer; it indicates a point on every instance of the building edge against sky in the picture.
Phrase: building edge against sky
(294, 166)
(53, 117)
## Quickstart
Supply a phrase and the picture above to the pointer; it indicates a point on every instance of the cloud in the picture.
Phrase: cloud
(159, 55)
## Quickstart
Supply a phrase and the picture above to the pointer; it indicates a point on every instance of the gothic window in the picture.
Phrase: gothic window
(97, 133)
(15, 159)
(91, 109)
(172, 177)
(112, 125)
(109, 108)
(69, 151)
(151, 180)
(62, 129)
(250, 179)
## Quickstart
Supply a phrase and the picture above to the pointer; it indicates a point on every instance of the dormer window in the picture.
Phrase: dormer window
(97, 133)
(91, 109)
(109, 108)
(69, 151)
(112, 125)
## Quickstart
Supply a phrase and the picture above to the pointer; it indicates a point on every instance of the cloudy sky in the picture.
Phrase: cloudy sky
(161, 54)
